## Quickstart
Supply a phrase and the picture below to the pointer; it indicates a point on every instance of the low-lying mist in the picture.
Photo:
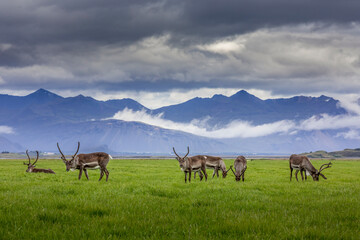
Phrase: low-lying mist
(244, 129)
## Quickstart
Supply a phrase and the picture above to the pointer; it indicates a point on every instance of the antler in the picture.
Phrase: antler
(175, 152)
(327, 166)
(178, 155)
(232, 170)
(77, 149)
(60, 150)
(28, 158)
(187, 152)
(37, 157)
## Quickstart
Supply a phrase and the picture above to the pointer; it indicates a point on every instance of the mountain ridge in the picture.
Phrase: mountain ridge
(48, 118)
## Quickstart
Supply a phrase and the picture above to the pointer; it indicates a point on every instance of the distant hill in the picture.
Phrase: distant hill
(346, 153)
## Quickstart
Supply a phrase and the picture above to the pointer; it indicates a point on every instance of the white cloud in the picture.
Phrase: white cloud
(5, 46)
(35, 73)
(6, 130)
(330, 122)
(234, 129)
(243, 129)
(224, 46)
(352, 134)
(349, 102)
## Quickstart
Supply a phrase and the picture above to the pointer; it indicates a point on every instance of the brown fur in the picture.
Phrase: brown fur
(31, 166)
(83, 162)
(215, 163)
(191, 164)
(240, 165)
(303, 164)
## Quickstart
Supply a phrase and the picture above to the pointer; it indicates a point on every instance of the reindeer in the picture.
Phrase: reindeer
(87, 161)
(31, 167)
(240, 165)
(191, 164)
(215, 163)
(303, 164)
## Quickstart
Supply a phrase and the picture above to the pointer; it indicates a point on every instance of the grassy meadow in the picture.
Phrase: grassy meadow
(148, 199)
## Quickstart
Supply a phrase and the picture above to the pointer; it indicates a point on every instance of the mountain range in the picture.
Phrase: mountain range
(41, 119)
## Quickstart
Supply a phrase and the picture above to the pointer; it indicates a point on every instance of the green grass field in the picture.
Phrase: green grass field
(148, 199)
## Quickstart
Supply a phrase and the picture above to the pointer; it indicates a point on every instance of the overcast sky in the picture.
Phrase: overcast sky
(163, 52)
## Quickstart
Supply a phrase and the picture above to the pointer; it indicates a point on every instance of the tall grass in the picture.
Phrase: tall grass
(148, 199)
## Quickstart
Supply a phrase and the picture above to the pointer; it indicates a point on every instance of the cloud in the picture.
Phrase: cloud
(352, 134)
(223, 46)
(163, 45)
(243, 129)
(125, 20)
(325, 121)
(5, 46)
(198, 127)
(284, 60)
(350, 102)
(34, 74)
(6, 130)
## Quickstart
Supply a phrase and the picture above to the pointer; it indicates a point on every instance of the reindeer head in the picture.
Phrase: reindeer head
(237, 176)
(71, 164)
(31, 166)
(315, 175)
(182, 160)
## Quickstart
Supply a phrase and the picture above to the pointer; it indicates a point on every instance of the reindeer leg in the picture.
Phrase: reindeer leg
(86, 173)
(243, 176)
(291, 173)
(81, 170)
(217, 172)
(201, 175)
(185, 177)
(194, 175)
(203, 168)
(101, 174)
(190, 176)
(107, 174)
(296, 173)
(302, 177)
(214, 172)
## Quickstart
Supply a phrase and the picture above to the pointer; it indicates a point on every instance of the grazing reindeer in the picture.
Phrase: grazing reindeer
(87, 161)
(240, 165)
(191, 164)
(31, 167)
(303, 164)
(215, 163)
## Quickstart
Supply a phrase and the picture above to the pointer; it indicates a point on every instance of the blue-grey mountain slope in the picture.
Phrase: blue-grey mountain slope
(247, 107)
(42, 118)
(44, 107)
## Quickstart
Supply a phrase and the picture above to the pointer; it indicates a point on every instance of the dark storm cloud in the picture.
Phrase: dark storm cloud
(161, 45)
(31, 22)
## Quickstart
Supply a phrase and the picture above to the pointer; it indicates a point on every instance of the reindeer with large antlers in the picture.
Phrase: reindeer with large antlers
(31, 166)
(303, 164)
(191, 164)
(240, 165)
(83, 162)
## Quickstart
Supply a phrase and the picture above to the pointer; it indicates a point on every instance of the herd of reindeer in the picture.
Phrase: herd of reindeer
(197, 164)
